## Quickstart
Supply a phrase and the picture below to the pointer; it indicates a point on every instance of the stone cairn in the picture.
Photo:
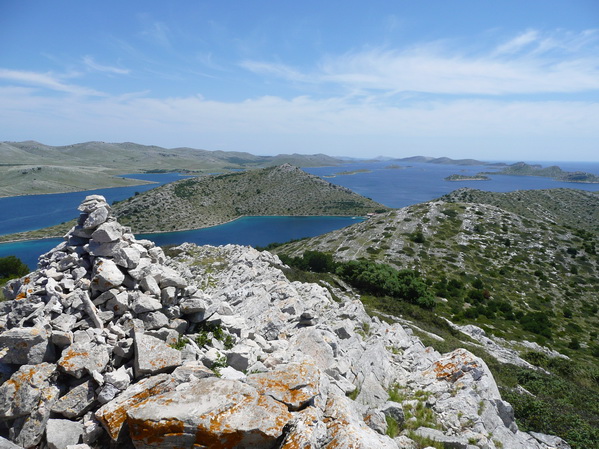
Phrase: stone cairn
(100, 347)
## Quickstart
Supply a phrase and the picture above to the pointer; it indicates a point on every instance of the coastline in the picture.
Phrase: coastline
(141, 183)
(179, 230)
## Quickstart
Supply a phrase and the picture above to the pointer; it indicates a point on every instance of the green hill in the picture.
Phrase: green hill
(212, 200)
(567, 207)
(500, 258)
(524, 281)
(91, 165)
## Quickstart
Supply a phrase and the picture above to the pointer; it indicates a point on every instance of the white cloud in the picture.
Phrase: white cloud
(90, 63)
(529, 63)
(483, 128)
(46, 80)
(156, 31)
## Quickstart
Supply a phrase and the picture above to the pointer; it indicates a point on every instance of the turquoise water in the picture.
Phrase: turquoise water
(254, 231)
(412, 183)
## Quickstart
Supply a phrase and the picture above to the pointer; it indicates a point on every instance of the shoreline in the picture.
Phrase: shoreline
(184, 230)
(142, 183)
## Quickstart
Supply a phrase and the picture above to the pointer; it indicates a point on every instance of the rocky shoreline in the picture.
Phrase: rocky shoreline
(111, 343)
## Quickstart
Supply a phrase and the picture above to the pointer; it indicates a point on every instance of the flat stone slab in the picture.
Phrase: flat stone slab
(83, 358)
(114, 414)
(211, 412)
(153, 356)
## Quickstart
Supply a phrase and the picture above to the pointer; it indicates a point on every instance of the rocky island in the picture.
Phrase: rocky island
(200, 202)
(113, 343)
(555, 172)
(478, 177)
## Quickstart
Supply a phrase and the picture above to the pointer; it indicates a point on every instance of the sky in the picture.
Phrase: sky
(491, 80)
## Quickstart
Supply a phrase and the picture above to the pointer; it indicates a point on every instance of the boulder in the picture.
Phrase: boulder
(210, 412)
(61, 433)
(153, 356)
(113, 415)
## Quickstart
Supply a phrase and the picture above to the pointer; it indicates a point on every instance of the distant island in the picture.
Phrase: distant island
(36, 168)
(555, 172)
(478, 177)
(349, 172)
(201, 202)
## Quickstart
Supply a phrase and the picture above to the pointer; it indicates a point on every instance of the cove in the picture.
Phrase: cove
(254, 231)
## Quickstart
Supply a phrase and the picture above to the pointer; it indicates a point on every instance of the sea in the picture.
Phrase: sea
(392, 183)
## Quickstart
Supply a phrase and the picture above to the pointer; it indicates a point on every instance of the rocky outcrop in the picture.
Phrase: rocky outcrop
(112, 344)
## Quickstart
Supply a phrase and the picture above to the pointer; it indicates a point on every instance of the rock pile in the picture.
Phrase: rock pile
(110, 343)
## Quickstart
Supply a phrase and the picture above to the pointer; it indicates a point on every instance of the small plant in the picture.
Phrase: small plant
(353, 394)
(180, 343)
(220, 362)
(392, 427)
(396, 394)
(229, 341)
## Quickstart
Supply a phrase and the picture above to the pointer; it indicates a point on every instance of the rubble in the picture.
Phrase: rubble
(110, 341)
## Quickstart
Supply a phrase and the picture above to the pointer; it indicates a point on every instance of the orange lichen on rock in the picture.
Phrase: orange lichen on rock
(153, 432)
(113, 415)
(454, 365)
(66, 361)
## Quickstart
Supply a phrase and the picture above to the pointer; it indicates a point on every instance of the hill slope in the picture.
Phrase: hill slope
(568, 207)
(533, 265)
(99, 161)
(212, 200)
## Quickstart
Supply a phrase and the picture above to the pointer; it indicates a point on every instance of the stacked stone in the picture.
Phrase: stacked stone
(86, 356)
(100, 312)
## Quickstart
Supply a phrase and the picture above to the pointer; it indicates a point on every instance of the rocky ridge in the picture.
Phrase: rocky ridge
(110, 343)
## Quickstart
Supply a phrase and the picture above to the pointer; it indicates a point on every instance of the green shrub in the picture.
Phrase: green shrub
(11, 267)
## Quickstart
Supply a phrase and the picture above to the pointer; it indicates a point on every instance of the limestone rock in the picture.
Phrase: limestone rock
(61, 433)
(153, 356)
(210, 412)
(77, 401)
(106, 275)
(114, 414)
(83, 358)
(27, 345)
(296, 385)
(23, 392)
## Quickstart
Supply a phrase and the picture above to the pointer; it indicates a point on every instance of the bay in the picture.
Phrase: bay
(254, 231)
(29, 212)
(414, 183)
(410, 183)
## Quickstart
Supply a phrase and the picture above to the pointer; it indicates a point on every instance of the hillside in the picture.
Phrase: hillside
(98, 162)
(528, 285)
(213, 200)
(112, 342)
(42, 179)
(578, 209)
(532, 264)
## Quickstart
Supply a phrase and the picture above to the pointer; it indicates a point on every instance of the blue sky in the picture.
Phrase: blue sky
(505, 80)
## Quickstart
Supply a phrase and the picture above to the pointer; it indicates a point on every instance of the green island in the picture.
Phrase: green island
(349, 172)
(555, 172)
(205, 201)
(478, 177)
(36, 168)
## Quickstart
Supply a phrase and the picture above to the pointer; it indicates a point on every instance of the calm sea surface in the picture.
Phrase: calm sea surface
(395, 187)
